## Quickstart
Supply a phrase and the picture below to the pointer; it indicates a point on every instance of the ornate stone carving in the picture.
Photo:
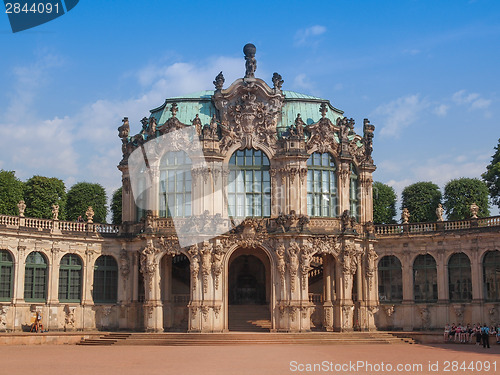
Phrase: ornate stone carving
(474, 210)
(124, 129)
(217, 263)
(347, 316)
(219, 81)
(368, 130)
(293, 263)
(305, 264)
(405, 216)
(55, 212)
(388, 310)
(325, 245)
(3, 318)
(277, 81)
(90, 215)
(197, 124)
(249, 114)
(21, 206)
(69, 317)
(371, 258)
(459, 311)
(425, 316)
(322, 134)
(169, 245)
(217, 309)
(148, 266)
(250, 61)
(291, 222)
(280, 256)
(206, 263)
(205, 309)
(124, 263)
(439, 212)
(194, 259)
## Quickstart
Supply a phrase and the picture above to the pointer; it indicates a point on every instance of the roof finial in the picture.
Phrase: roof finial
(219, 81)
(251, 63)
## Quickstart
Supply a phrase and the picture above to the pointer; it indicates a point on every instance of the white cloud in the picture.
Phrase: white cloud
(471, 100)
(441, 110)
(304, 36)
(399, 114)
(302, 83)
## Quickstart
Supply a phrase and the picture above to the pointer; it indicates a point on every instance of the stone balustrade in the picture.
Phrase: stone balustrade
(422, 228)
(36, 224)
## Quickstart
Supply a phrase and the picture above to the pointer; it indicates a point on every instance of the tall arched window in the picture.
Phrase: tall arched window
(459, 278)
(175, 184)
(35, 278)
(491, 276)
(6, 274)
(425, 279)
(70, 278)
(390, 279)
(105, 280)
(249, 188)
(353, 192)
(321, 185)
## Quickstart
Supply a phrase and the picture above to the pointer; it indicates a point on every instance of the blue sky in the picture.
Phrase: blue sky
(426, 73)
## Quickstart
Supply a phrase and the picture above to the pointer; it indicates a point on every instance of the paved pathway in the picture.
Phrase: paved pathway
(250, 359)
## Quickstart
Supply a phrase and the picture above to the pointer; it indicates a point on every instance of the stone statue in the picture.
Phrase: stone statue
(439, 212)
(213, 127)
(277, 81)
(474, 210)
(219, 81)
(21, 206)
(405, 216)
(197, 124)
(55, 211)
(251, 63)
(124, 129)
(90, 215)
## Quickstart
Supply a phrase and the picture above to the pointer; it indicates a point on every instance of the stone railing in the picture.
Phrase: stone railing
(421, 228)
(315, 297)
(55, 226)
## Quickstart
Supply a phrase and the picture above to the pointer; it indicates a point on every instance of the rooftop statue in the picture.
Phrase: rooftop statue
(251, 63)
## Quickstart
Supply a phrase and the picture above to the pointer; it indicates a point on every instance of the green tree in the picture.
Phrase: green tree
(40, 193)
(116, 206)
(384, 204)
(421, 199)
(460, 193)
(492, 176)
(11, 192)
(85, 194)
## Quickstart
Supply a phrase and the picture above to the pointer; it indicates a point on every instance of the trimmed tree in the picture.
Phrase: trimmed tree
(11, 192)
(492, 176)
(40, 193)
(85, 194)
(384, 204)
(421, 199)
(116, 207)
(460, 193)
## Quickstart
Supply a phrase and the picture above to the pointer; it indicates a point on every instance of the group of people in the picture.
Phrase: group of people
(467, 334)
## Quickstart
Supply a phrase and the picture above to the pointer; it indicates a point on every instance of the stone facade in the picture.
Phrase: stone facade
(312, 267)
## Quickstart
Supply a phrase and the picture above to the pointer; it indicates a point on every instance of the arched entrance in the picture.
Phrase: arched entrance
(249, 291)
(175, 292)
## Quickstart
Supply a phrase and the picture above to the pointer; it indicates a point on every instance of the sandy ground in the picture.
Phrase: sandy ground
(249, 359)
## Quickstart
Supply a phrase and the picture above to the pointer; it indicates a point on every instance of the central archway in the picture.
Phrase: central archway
(249, 290)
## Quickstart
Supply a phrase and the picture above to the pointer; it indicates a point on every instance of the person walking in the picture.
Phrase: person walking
(485, 334)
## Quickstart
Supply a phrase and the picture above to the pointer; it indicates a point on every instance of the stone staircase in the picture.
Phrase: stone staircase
(249, 318)
(246, 338)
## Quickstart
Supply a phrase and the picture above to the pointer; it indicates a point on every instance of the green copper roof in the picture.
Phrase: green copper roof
(201, 103)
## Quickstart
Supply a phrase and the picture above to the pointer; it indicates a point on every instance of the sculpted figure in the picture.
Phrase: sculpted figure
(439, 212)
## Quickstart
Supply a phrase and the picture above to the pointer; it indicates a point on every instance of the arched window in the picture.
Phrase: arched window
(6, 273)
(425, 279)
(321, 185)
(459, 278)
(491, 272)
(175, 184)
(390, 279)
(70, 278)
(35, 278)
(105, 280)
(249, 188)
(353, 192)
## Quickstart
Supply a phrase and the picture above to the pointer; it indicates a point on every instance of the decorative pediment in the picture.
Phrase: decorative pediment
(249, 112)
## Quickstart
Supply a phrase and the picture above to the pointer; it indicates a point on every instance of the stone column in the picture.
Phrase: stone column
(153, 315)
(408, 299)
(328, 269)
(343, 178)
(88, 314)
